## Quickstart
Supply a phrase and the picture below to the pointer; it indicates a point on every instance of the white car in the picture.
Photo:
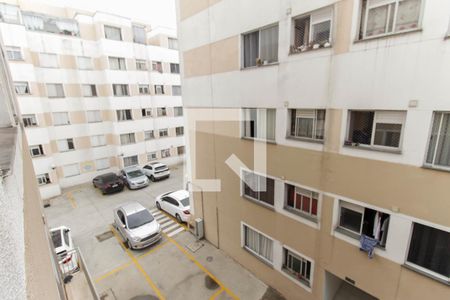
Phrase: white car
(156, 171)
(65, 251)
(133, 177)
(175, 203)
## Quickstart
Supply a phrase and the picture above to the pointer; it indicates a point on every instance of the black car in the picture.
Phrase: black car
(108, 183)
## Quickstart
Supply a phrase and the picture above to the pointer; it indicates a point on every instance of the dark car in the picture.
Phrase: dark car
(108, 183)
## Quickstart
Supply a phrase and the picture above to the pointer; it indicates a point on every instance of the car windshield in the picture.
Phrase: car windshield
(185, 201)
(56, 238)
(160, 168)
(135, 173)
(139, 218)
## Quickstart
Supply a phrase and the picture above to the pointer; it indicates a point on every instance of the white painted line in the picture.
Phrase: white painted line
(161, 216)
(164, 225)
(171, 227)
(154, 210)
(156, 213)
(175, 232)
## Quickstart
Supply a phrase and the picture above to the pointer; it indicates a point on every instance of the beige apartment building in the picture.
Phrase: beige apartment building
(317, 129)
(98, 92)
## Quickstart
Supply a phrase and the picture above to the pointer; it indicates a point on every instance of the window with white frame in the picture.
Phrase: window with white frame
(60, 118)
(438, 154)
(147, 112)
(40, 22)
(176, 90)
(181, 150)
(22, 88)
(71, 170)
(102, 164)
(48, 60)
(124, 115)
(9, 13)
(36, 150)
(258, 187)
(98, 140)
(259, 123)
(141, 65)
(144, 89)
(113, 33)
(151, 156)
(165, 153)
(157, 66)
(149, 135)
(301, 201)
(313, 30)
(384, 17)
(117, 63)
(260, 47)
(89, 90)
(380, 129)
(94, 116)
(43, 179)
(307, 123)
(429, 248)
(139, 35)
(297, 266)
(85, 63)
(29, 120)
(159, 89)
(175, 68)
(55, 90)
(173, 43)
(127, 138)
(65, 145)
(163, 132)
(120, 90)
(130, 161)
(13, 53)
(357, 220)
(161, 111)
(258, 244)
(178, 111)
(179, 131)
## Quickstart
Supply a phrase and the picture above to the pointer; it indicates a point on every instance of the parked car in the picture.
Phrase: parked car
(65, 251)
(136, 225)
(156, 171)
(108, 183)
(134, 178)
(175, 203)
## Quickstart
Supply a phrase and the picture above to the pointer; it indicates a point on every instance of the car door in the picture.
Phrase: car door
(164, 204)
(121, 222)
(173, 205)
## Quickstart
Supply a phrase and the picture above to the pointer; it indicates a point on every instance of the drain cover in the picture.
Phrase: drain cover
(104, 236)
(209, 259)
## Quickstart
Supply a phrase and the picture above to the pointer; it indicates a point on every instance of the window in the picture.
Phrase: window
(71, 170)
(65, 145)
(179, 130)
(13, 53)
(38, 22)
(259, 123)
(175, 68)
(130, 161)
(258, 244)
(151, 156)
(149, 135)
(173, 44)
(43, 179)
(124, 115)
(147, 112)
(89, 90)
(139, 34)
(165, 153)
(381, 129)
(260, 47)
(358, 220)
(312, 31)
(120, 90)
(85, 63)
(176, 90)
(161, 111)
(144, 89)
(301, 201)
(94, 116)
(159, 89)
(22, 88)
(157, 66)
(163, 132)
(60, 118)
(307, 123)
(102, 164)
(29, 120)
(258, 187)
(298, 267)
(98, 140)
(380, 18)
(178, 111)
(429, 249)
(113, 33)
(117, 63)
(48, 60)
(9, 13)
(141, 65)
(180, 150)
(439, 146)
(36, 150)
(127, 138)
(55, 90)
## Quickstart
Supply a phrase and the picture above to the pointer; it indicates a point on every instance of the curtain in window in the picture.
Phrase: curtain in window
(265, 247)
(69, 27)
(321, 32)
(251, 184)
(251, 49)
(94, 116)
(269, 44)
(270, 124)
(434, 137)
(251, 239)
(112, 33)
(443, 148)
(55, 90)
(377, 20)
(407, 15)
(21, 88)
(33, 22)
(130, 161)
(114, 63)
(139, 34)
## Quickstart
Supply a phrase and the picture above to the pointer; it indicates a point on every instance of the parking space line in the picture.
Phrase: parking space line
(214, 296)
(161, 216)
(71, 199)
(171, 227)
(113, 271)
(175, 220)
(166, 223)
(170, 234)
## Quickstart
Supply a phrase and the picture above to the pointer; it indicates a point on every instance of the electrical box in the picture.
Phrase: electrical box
(199, 228)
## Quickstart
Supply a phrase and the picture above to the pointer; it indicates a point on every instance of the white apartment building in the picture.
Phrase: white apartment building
(97, 91)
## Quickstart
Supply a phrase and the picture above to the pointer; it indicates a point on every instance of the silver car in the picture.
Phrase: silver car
(134, 178)
(136, 225)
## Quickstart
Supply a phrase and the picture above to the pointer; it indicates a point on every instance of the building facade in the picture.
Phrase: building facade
(317, 129)
(97, 91)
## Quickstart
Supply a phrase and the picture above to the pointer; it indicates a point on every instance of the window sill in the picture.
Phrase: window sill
(436, 168)
(374, 148)
(309, 50)
(298, 280)
(355, 236)
(61, 124)
(412, 267)
(260, 66)
(302, 139)
(384, 36)
(300, 214)
(24, 95)
(257, 202)
(56, 97)
(259, 140)
(270, 265)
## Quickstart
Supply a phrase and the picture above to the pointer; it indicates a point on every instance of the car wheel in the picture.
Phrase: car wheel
(152, 178)
(178, 218)
(158, 205)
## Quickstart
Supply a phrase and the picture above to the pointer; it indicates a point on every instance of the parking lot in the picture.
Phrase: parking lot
(177, 267)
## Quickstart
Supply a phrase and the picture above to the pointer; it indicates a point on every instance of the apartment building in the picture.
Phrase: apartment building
(319, 128)
(97, 91)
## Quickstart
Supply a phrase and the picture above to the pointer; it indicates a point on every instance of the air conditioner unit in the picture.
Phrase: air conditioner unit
(199, 229)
